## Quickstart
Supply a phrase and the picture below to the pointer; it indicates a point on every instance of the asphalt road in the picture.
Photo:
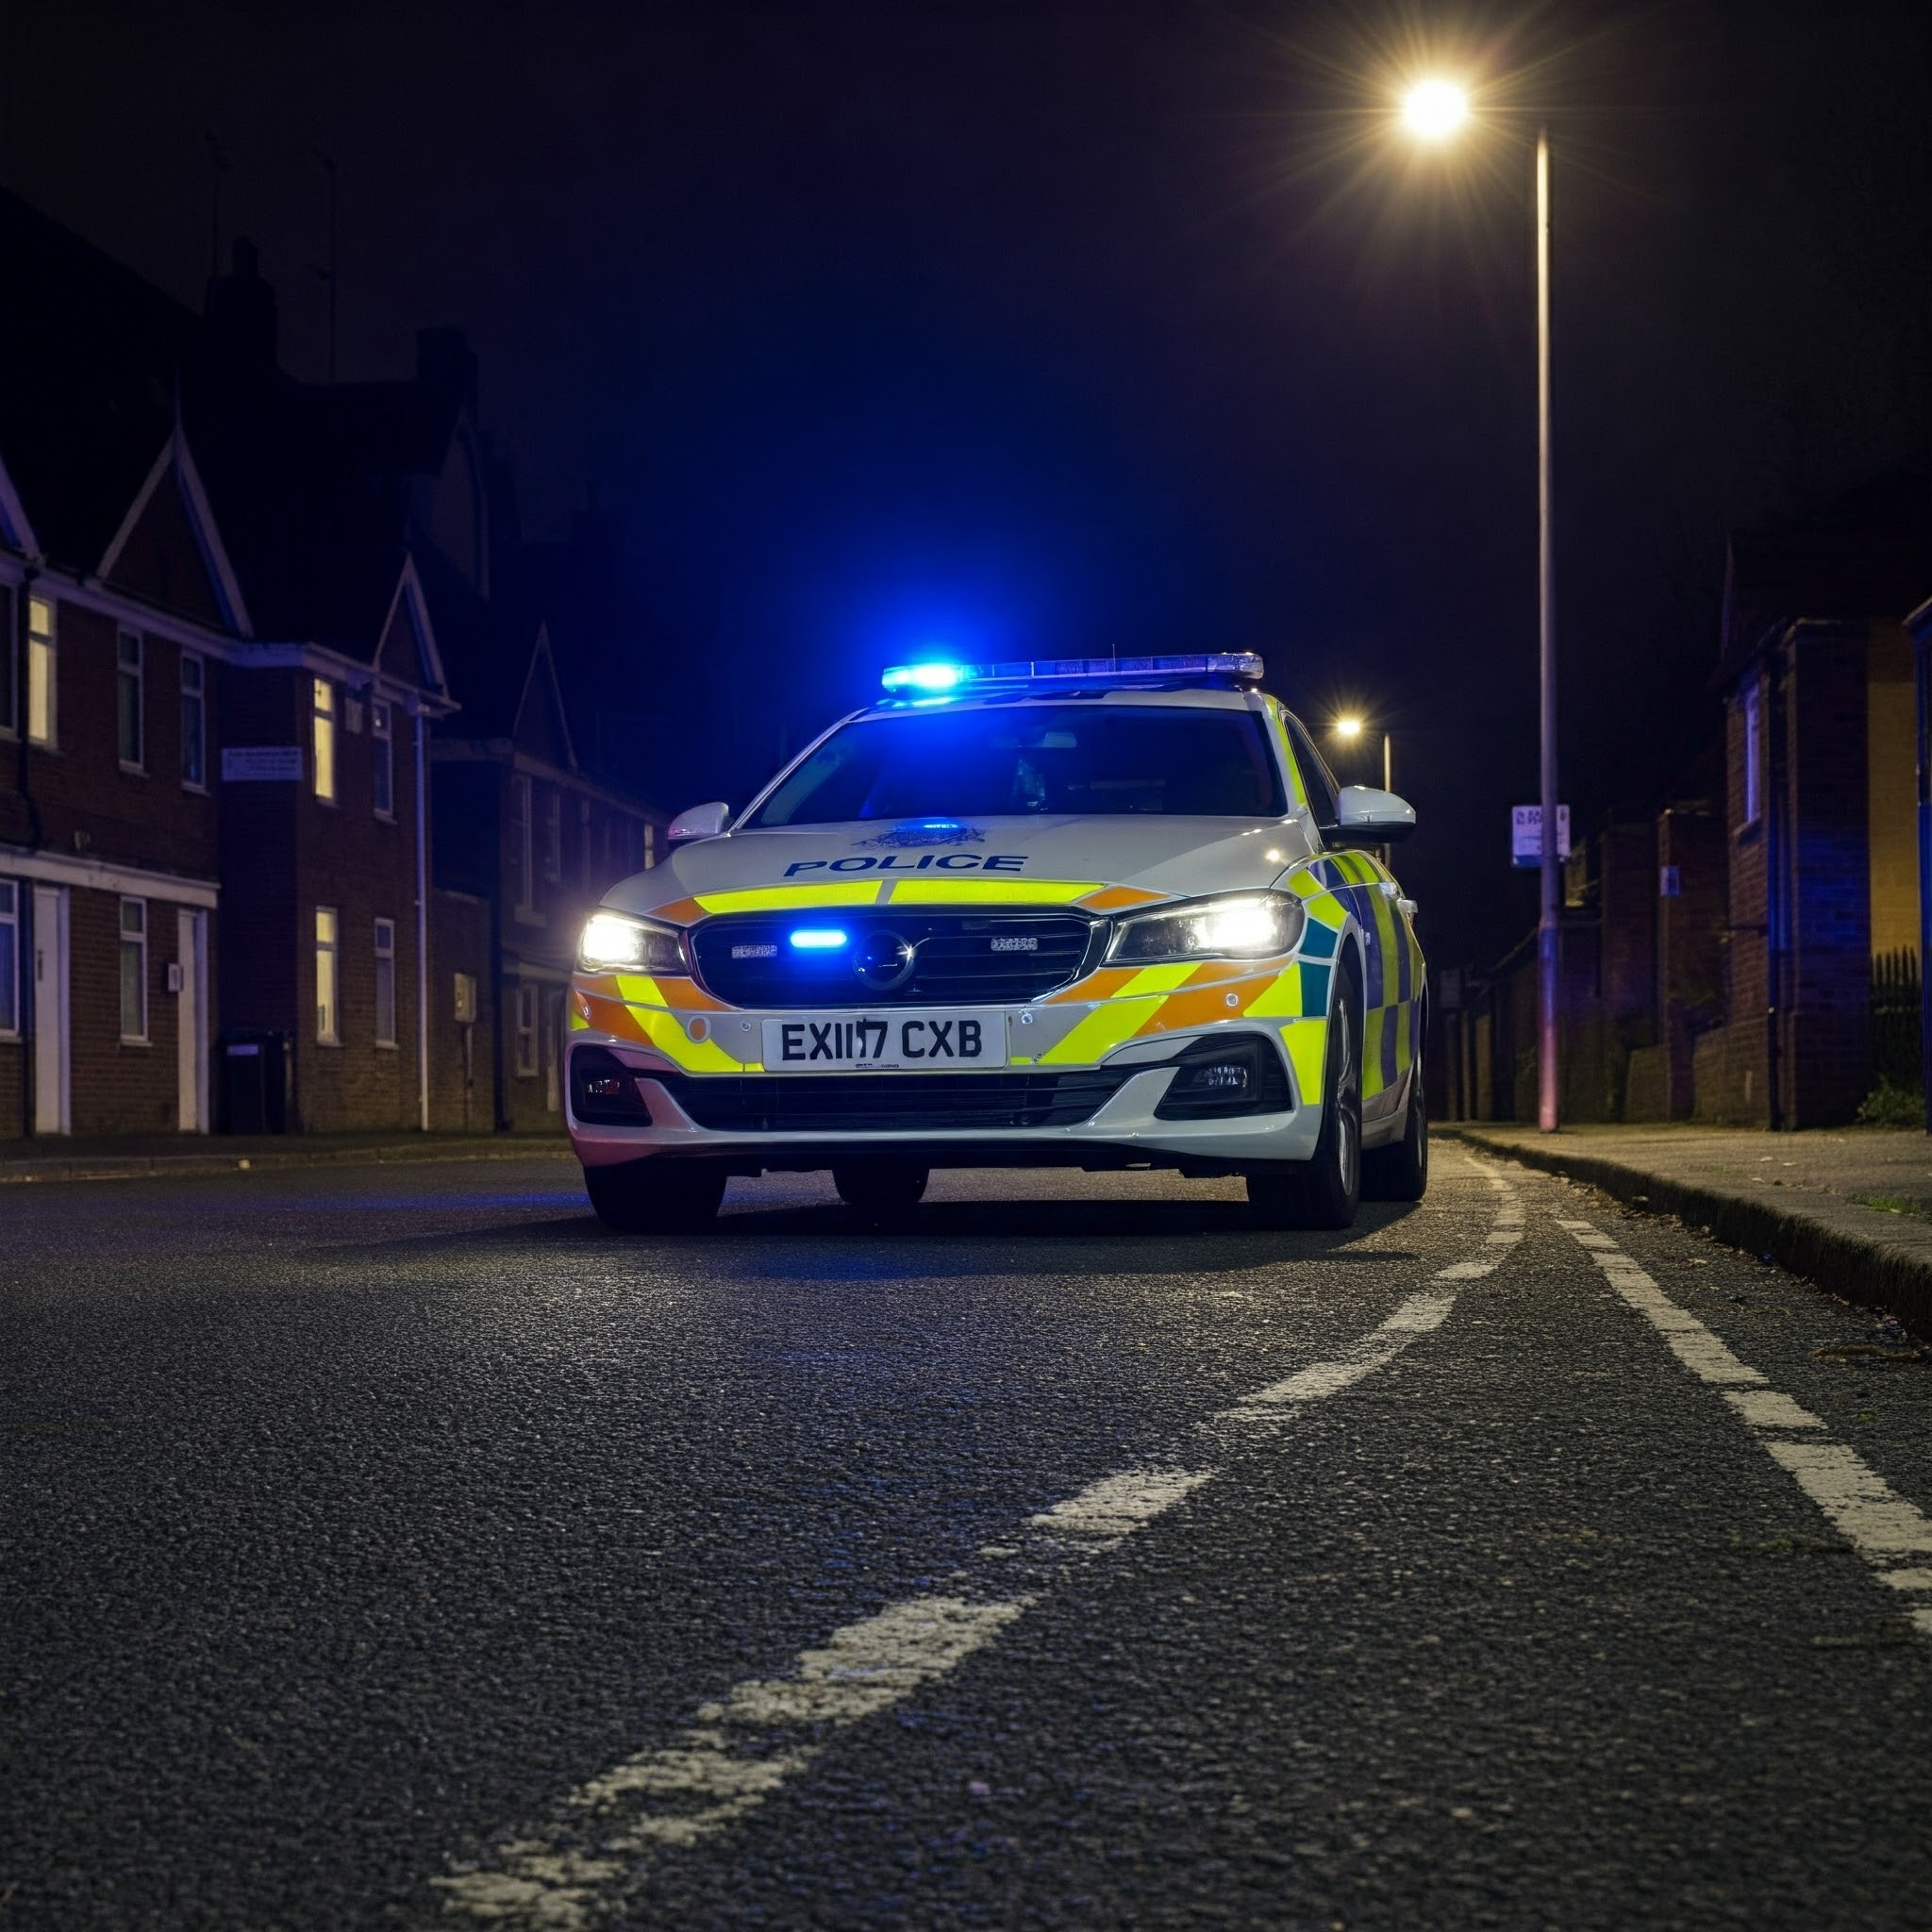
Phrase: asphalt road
(393, 1548)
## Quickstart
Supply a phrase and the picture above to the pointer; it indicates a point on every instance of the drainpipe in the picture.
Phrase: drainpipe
(36, 835)
(421, 922)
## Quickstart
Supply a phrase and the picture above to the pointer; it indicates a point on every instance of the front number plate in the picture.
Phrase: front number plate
(856, 1042)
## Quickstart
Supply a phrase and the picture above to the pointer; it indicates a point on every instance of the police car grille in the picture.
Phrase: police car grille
(893, 1103)
(958, 958)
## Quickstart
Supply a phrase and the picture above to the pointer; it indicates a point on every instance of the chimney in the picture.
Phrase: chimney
(446, 366)
(242, 314)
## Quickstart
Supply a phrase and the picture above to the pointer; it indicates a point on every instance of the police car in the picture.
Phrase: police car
(1081, 913)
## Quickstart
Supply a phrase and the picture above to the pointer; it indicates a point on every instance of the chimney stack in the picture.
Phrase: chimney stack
(240, 312)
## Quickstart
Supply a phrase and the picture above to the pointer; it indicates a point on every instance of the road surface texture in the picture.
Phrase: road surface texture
(393, 1548)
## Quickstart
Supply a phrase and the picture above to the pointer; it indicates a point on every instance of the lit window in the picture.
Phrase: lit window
(650, 844)
(553, 835)
(1754, 755)
(520, 842)
(325, 739)
(328, 999)
(9, 958)
(194, 721)
(383, 746)
(128, 721)
(134, 970)
(526, 1031)
(385, 982)
(43, 672)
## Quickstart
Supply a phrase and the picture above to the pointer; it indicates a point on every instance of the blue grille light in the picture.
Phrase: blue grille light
(926, 676)
(818, 939)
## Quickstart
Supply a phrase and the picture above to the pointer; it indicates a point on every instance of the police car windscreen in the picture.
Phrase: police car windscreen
(1088, 760)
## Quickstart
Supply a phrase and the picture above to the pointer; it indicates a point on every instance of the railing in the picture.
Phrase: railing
(1895, 1031)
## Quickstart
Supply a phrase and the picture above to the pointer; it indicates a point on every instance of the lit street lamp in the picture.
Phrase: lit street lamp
(1351, 729)
(1434, 110)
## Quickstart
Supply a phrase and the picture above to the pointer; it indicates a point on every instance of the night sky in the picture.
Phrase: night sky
(1042, 328)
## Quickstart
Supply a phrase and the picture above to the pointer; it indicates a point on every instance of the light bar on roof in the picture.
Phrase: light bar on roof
(1244, 667)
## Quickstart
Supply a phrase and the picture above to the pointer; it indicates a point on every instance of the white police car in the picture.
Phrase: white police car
(1082, 913)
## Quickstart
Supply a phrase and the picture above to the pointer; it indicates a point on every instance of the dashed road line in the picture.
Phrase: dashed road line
(1880, 1524)
(571, 1868)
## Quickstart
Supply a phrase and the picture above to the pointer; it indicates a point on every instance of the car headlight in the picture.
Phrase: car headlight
(615, 942)
(1243, 926)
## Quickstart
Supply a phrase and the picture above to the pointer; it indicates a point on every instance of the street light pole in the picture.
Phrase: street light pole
(1548, 938)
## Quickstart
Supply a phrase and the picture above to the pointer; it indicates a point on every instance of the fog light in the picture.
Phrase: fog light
(1230, 1076)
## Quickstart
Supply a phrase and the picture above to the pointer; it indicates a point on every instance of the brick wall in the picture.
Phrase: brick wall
(1691, 946)
(1891, 791)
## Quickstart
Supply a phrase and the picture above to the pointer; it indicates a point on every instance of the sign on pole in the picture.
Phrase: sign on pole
(1526, 834)
(262, 764)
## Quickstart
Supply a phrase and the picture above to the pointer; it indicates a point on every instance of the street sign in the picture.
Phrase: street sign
(1526, 834)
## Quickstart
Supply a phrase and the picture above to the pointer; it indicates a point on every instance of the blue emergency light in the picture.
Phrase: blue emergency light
(818, 939)
(1238, 667)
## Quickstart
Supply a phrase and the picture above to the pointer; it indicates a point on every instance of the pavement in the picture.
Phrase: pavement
(115, 1157)
(1851, 1209)
(389, 1548)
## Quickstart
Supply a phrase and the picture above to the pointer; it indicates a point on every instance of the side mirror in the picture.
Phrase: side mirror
(1368, 817)
(700, 821)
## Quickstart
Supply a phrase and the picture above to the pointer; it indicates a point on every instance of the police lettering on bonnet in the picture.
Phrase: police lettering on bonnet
(1086, 913)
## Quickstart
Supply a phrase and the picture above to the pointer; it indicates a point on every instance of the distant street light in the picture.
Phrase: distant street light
(1351, 729)
(1433, 111)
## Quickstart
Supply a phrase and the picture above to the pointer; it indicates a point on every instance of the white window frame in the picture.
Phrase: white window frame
(523, 848)
(382, 747)
(386, 982)
(585, 852)
(321, 739)
(1751, 713)
(328, 968)
(195, 705)
(42, 673)
(133, 951)
(130, 701)
(526, 1011)
(9, 958)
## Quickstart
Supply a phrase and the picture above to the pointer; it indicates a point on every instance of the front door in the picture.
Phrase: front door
(51, 1107)
(191, 1020)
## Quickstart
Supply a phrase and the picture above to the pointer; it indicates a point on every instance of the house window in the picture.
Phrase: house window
(526, 1032)
(194, 721)
(1753, 753)
(327, 983)
(43, 672)
(9, 960)
(325, 741)
(9, 724)
(128, 721)
(385, 982)
(134, 971)
(650, 844)
(553, 835)
(383, 748)
(520, 842)
(584, 843)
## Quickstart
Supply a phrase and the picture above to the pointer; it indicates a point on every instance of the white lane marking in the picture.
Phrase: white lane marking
(1117, 1506)
(572, 1868)
(1869, 1514)
(1880, 1524)
(1771, 1409)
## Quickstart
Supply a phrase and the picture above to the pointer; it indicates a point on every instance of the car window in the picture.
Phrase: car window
(1317, 779)
(1101, 760)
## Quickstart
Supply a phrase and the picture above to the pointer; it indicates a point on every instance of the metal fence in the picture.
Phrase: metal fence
(1896, 1028)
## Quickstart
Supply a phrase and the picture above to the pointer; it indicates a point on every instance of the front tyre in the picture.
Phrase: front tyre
(656, 1196)
(1325, 1190)
(1401, 1172)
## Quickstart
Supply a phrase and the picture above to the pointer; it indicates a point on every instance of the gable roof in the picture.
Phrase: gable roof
(175, 472)
(16, 532)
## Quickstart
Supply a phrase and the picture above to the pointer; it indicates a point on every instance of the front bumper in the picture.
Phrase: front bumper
(1099, 1113)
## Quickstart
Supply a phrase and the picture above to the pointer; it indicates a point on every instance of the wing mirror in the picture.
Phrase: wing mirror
(700, 821)
(1368, 817)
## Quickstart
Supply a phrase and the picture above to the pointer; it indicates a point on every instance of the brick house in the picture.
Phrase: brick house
(531, 834)
(1816, 676)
